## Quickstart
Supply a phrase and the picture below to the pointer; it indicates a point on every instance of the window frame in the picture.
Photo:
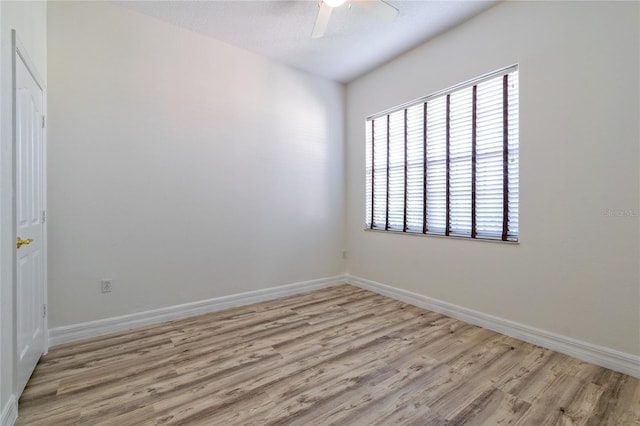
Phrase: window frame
(506, 236)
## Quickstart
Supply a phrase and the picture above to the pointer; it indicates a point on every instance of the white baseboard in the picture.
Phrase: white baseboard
(600, 355)
(71, 333)
(9, 412)
(605, 357)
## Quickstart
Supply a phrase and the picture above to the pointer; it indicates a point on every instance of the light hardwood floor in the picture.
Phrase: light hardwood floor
(340, 356)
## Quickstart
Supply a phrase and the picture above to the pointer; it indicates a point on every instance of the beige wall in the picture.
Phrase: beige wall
(576, 269)
(29, 19)
(181, 167)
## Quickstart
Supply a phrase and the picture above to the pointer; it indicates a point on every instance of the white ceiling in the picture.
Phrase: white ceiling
(355, 42)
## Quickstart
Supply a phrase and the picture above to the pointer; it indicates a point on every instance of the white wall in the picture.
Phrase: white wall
(576, 269)
(29, 19)
(181, 167)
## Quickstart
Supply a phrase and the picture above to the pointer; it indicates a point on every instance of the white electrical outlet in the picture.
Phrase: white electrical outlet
(105, 285)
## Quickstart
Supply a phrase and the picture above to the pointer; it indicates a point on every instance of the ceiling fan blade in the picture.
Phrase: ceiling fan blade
(324, 13)
(380, 8)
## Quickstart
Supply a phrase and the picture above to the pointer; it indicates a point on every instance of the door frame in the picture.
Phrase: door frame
(19, 53)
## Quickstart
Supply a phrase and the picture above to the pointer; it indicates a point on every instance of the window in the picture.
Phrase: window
(447, 164)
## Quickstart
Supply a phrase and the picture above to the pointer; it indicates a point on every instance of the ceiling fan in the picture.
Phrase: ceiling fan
(377, 7)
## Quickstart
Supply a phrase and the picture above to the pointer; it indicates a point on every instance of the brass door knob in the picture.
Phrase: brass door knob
(20, 242)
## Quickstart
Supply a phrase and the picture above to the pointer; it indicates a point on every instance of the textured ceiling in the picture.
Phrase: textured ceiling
(356, 41)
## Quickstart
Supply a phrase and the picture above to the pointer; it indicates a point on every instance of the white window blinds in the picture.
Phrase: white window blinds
(447, 163)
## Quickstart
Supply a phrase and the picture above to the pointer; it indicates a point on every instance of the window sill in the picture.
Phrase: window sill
(448, 237)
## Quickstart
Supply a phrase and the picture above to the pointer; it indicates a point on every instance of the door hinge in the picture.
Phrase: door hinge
(44, 216)
(44, 310)
(44, 121)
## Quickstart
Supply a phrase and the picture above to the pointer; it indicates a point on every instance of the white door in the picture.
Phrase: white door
(29, 220)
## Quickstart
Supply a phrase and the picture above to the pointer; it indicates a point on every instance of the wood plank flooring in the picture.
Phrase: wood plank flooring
(337, 356)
